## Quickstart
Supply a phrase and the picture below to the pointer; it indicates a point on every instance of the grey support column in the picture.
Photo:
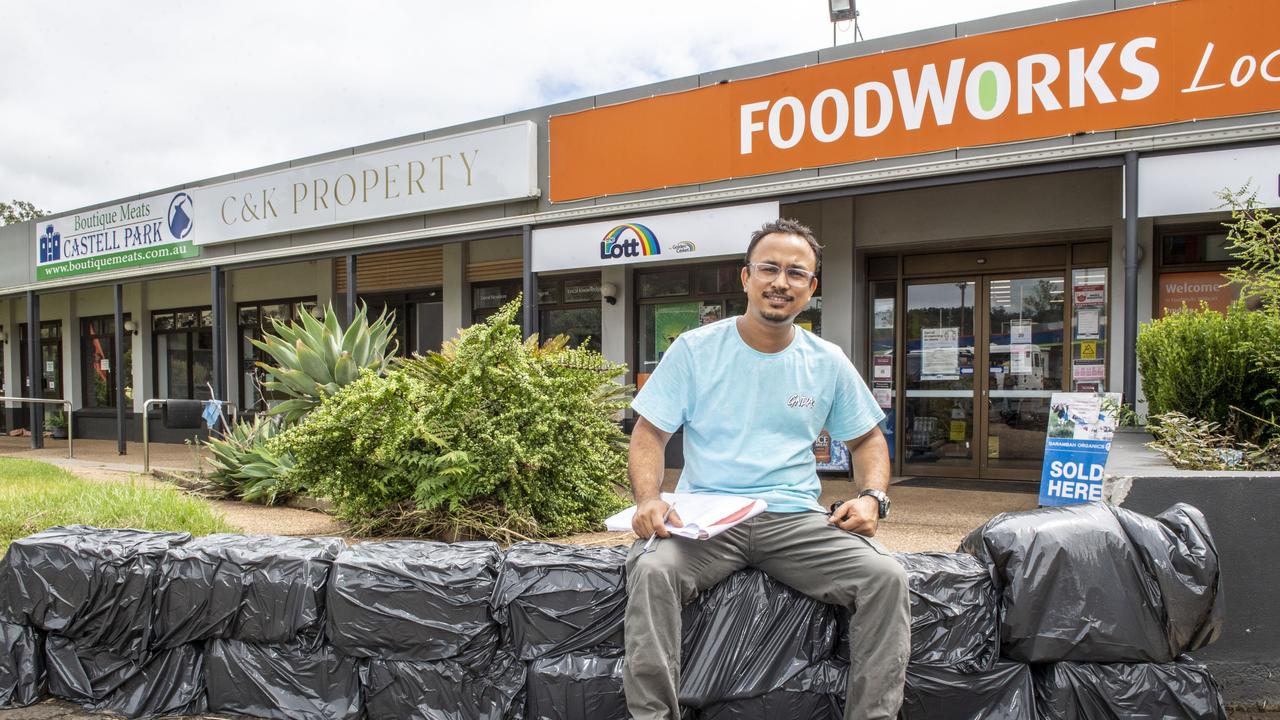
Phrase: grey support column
(218, 287)
(530, 285)
(1131, 279)
(35, 372)
(351, 288)
(117, 363)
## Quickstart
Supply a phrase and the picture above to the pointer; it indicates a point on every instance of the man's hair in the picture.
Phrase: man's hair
(787, 226)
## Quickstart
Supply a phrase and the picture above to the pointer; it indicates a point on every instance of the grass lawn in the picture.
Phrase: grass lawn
(36, 495)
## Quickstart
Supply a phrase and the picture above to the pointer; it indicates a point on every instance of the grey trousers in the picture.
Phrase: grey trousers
(799, 549)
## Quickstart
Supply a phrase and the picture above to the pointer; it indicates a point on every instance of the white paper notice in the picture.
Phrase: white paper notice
(884, 396)
(1087, 324)
(884, 313)
(1020, 332)
(1020, 360)
(106, 364)
(1089, 371)
(941, 353)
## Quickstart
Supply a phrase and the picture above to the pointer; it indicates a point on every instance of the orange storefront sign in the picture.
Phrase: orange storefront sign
(1190, 289)
(1157, 64)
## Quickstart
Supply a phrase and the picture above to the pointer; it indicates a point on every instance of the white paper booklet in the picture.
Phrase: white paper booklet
(704, 515)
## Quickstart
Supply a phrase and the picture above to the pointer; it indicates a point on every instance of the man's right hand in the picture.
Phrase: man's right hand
(649, 518)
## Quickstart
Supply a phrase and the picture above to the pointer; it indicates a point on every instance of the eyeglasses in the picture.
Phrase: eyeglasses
(796, 277)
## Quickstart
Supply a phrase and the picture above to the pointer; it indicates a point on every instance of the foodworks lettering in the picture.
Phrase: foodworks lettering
(1146, 66)
(142, 232)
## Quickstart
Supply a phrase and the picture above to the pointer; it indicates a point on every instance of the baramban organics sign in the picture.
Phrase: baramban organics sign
(1158, 64)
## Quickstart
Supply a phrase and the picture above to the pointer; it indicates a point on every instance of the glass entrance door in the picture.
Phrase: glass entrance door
(1025, 327)
(982, 357)
(941, 366)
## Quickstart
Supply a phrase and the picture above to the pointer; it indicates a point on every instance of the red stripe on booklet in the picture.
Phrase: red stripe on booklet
(737, 515)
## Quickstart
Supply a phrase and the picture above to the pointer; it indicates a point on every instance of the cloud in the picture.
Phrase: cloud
(105, 100)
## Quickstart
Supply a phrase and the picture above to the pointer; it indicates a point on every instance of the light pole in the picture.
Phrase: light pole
(841, 11)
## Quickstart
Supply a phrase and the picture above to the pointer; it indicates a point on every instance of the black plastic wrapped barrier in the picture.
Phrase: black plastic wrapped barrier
(955, 612)
(286, 682)
(1004, 692)
(750, 635)
(87, 584)
(168, 682)
(22, 676)
(262, 590)
(414, 600)
(443, 689)
(1183, 690)
(815, 693)
(1097, 583)
(557, 599)
(575, 687)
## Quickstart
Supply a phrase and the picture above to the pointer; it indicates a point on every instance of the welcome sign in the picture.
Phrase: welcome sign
(1158, 64)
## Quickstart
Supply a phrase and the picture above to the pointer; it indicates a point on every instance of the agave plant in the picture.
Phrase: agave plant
(244, 467)
(315, 359)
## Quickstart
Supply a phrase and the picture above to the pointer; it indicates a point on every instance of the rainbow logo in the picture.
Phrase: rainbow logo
(629, 240)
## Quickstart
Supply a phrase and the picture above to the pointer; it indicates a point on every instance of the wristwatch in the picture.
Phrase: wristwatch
(881, 498)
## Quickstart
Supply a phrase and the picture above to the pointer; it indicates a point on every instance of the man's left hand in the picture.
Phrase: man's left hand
(860, 515)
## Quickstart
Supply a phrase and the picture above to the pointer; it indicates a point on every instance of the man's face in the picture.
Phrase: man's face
(774, 300)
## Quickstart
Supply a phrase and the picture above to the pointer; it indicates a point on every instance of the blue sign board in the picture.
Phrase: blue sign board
(1075, 452)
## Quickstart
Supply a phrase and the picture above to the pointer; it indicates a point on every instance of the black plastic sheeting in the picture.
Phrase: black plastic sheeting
(287, 682)
(955, 612)
(91, 585)
(575, 687)
(443, 690)
(815, 693)
(22, 676)
(263, 590)
(169, 682)
(557, 599)
(1183, 690)
(414, 600)
(749, 635)
(1004, 692)
(1097, 583)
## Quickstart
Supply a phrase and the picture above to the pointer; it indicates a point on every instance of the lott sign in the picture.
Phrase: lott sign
(1159, 64)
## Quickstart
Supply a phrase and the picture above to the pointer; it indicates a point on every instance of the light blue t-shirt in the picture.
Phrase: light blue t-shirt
(750, 418)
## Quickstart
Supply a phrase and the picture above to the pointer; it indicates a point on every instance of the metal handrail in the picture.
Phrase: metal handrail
(50, 401)
(146, 428)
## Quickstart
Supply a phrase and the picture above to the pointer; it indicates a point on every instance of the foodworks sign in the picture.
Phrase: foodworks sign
(153, 230)
(1158, 64)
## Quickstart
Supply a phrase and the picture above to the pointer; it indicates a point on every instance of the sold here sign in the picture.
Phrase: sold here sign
(1156, 64)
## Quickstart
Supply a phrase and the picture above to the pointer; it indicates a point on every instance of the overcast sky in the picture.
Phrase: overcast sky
(100, 100)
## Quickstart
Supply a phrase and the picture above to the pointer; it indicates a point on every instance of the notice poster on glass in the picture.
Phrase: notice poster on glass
(1087, 324)
(941, 348)
(670, 321)
(1094, 296)
(1081, 426)
(884, 313)
(882, 367)
(883, 395)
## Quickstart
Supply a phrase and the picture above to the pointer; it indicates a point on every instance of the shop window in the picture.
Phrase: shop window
(49, 377)
(570, 306)
(1190, 270)
(1089, 329)
(253, 320)
(674, 300)
(97, 362)
(183, 353)
(487, 297)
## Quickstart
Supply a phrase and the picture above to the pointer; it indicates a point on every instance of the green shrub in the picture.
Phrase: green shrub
(1209, 366)
(315, 359)
(493, 434)
(245, 467)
